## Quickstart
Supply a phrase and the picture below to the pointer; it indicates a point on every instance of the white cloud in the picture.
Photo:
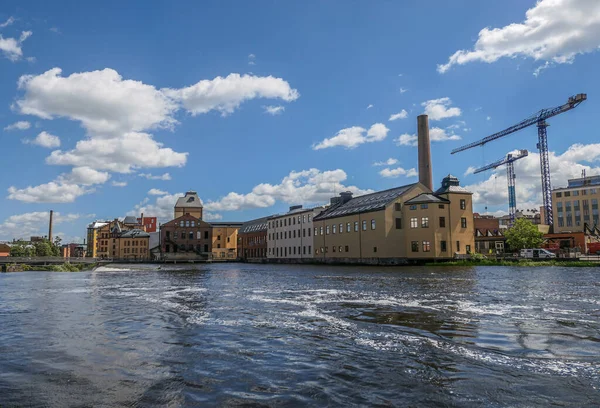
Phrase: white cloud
(11, 47)
(251, 59)
(370, 106)
(406, 140)
(52, 192)
(388, 162)
(493, 190)
(86, 176)
(45, 139)
(470, 170)
(162, 208)
(436, 134)
(402, 90)
(155, 191)
(354, 136)
(438, 109)
(299, 187)
(23, 226)
(553, 30)
(225, 94)
(488, 118)
(119, 183)
(403, 114)
(122, 155)
(20, 125)
(7, 22)
(397, 172)
(164, 177)
(274, 110)
(208, 216)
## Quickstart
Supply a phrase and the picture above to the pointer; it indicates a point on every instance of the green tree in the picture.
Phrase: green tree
(56, 246)
(18, 249)
(43, 248)
(523, 234)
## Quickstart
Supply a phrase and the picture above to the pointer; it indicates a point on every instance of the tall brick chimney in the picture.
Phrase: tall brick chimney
(50, 226)
(424, 151)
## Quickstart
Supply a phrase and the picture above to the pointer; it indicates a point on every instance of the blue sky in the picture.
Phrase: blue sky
(261, 105)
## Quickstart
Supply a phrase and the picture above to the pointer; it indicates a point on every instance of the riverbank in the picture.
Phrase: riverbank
(519, 262)
(65, 267)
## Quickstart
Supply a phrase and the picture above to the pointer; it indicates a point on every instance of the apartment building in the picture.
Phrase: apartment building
(290, 235)
(133, 244)
(186, 237)
(225, 239)
(93, 236)
(395, 225)
(575, 206)
(252, 239)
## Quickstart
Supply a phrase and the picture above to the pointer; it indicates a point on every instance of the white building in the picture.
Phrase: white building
(290, 235)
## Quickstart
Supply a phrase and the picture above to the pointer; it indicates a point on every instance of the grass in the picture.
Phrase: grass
(65, 267)
(520, 262)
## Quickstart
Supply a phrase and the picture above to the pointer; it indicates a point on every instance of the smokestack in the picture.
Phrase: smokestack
(50, 226)
(424, 151)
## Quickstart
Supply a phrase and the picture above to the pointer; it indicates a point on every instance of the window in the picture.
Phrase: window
(347, 248)
(424, 206)
(576, 193)
(348, 227)
(218, 237)
(457, 246)
(299, 220)
(468, 248)
(285, 222)
(316, 232)
(187, 223)
(181, 223)
(309, 219)
(294, 233)
(322, 250)
(424, 222)
(205, 234)
(441, 206)
(334, 229)
(442, 222)
(294, 250)
(334, 248)
(182, 234)
(463, 204)
(397, 206)
(309, 231)
(398, 223)
(372, 224)
(567, 194)
(218, 245)
(284, 234)
(193, 223)
(414, 246)
(558, 194)
(426, 246)
(304, 232)
(341, 228)
(191, 235)
(413, 207)
(309, 247)
(414, 222)
(327, 229)
(463, 222)
(303, 250)
(443, 246)
(374, 249)
(168, 234)
(321, 230)
(355, 226)
(364, 225)
(317, 251)
(303, 219)
(228, 239)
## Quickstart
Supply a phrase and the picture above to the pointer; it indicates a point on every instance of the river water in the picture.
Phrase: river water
(291, 335)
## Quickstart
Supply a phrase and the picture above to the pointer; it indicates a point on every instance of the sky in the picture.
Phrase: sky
(115, 108)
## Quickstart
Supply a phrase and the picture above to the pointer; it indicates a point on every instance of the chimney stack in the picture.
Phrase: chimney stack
(424, 151)
(50, 226)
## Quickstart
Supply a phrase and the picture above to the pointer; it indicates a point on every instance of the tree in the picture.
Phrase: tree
(18, 249)
(43, 248)
(523, 234)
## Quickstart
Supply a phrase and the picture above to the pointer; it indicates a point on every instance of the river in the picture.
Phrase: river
(292, 335)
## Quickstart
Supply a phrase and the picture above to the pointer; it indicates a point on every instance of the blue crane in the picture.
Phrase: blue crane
(509, 160)
(539, 119)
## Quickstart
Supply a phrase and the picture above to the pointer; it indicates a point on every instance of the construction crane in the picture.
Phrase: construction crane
(509, 160)
(538, 119)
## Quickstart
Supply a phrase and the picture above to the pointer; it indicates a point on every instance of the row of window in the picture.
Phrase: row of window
(290, 221)
(463, 205)
(285, 251)
(575, 193)
(255, 253)
(585, 204)
(339, 228)
(188, 234)
(189, 248)
(187, 223)
(289, 234)
(135, 250)
(426, 246)
(576, 221)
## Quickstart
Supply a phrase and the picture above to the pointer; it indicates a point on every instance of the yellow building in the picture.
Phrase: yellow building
(133, 245)
(189, 204)
(225, 239)
(575, 206)
(92, 238)
(404, 223)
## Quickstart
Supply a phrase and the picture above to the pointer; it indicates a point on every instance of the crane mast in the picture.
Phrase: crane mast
(538, 119)
(509, 160)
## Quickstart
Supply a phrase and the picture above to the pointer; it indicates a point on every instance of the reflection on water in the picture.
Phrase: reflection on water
(276, 335)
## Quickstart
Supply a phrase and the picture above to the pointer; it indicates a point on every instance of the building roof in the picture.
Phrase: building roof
(365, 203)
(97, 224)
(450, 184)
(226, 224)
(130, 219)
(190, 200)
(135, 233)
(427, 198)
(257, 225)
(297, 210)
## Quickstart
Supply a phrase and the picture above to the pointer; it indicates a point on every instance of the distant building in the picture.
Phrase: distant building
(408, 222)
(576, 205)
(92, 238)
(73, 250)
(148, 224)
(252, 239)
(4, 250)
(133, 244)
(224, 239)
(186, 237)
(290, 235)
(489, 237)
(188, 204)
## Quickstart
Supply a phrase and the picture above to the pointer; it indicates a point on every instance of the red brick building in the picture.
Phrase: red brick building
(186, 237)
(252, 239)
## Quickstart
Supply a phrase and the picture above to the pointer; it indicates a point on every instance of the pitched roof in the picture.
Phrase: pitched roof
(226, 224)
(135, 233)
(366, 203)
(190, 200)
(427, 198)
(257, 225)
(130, 219)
